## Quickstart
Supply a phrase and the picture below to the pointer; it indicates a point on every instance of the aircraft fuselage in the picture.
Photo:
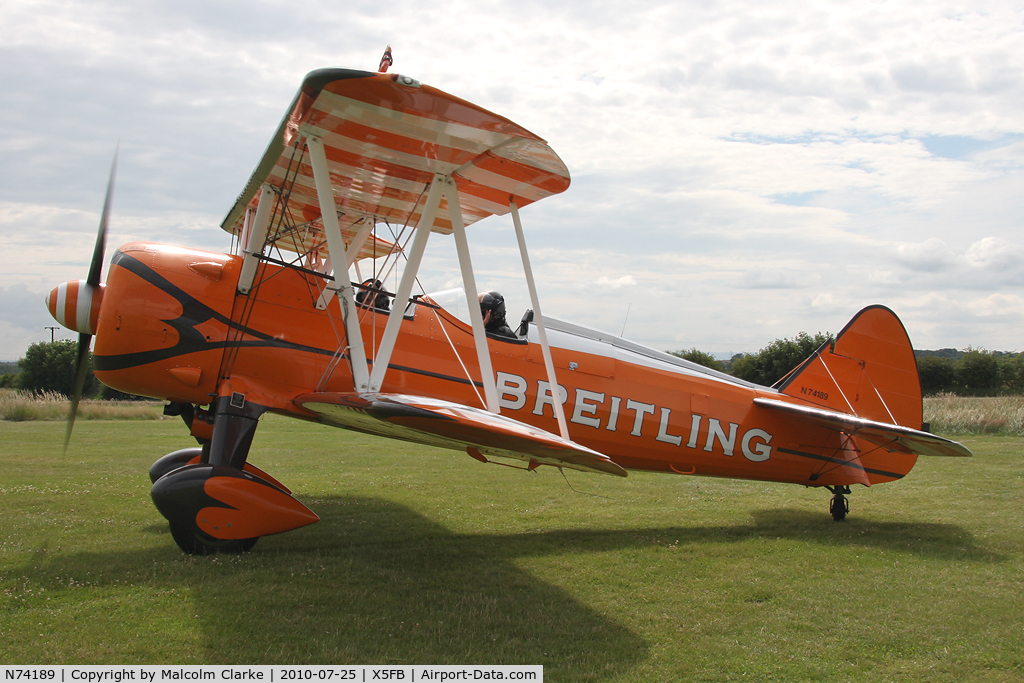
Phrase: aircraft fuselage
(173, 327)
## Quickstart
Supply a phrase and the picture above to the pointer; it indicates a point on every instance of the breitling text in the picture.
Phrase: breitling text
(755, 444)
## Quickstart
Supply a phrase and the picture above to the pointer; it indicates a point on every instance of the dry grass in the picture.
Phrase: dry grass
(946, 413)
(19, 406)
(952, 414)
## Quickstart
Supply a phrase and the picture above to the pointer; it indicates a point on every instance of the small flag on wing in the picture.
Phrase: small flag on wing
(385, 61)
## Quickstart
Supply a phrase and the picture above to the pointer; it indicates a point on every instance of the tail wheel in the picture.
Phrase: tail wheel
(839, 507)
(197, 543)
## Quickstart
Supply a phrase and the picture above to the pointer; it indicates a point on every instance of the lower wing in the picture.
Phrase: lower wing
(451, 425)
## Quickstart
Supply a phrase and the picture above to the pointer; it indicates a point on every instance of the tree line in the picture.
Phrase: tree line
(50, 367)
(767, 366)
(970, 372)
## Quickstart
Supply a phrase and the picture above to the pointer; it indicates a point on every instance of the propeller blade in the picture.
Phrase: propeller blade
(101, 237)
(95, 270)
(81, 368)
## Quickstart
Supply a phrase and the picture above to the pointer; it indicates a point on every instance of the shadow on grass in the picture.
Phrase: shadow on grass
(925, 539)
(375, 582)
(936, 541)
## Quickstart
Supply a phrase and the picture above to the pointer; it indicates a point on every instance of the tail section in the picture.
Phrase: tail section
(869, 370)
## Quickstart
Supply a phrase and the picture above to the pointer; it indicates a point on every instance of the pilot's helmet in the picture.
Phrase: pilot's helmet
(366, 291)
(494, 302)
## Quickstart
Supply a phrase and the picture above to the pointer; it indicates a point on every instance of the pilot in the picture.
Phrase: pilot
(373, 295)
(492, 307)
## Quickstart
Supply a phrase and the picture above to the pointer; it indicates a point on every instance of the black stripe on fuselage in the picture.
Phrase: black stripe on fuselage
(837, 461)
(190, 340)
(193, 313)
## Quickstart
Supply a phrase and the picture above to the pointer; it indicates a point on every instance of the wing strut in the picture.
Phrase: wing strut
(338, 253)
(255, 239)
(469, 285)
(443, 186)
(412, 266)
(353, 250)
(538, 319)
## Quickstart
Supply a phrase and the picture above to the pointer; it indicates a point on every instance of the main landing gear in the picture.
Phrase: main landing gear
(839, 506)
(194, 542)
(216, 502)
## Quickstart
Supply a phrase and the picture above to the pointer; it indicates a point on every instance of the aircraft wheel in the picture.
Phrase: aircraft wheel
(839, 506)
(173, 461)
(196, 543)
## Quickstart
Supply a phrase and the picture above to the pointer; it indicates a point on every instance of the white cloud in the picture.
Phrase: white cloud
(992, 253)
(616, 283)
(931, 255)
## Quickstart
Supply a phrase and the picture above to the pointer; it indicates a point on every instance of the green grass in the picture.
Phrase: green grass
(427, 556)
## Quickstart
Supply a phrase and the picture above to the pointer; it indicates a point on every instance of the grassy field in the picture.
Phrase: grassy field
(426, 556)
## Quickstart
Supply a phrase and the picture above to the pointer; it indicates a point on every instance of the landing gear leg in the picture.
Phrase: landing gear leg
(839, 505)
(233, 431)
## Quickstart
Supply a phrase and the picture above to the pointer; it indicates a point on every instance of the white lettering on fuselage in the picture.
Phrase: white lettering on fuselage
(694, 430)
(663, 434)
(754, 443)
(640, 409)
(582, 411)
(761, 451)
(517, 390)
(544, 396)
(715, 431)
(613, 416)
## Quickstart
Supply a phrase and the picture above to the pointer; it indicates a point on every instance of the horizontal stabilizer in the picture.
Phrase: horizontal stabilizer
(450, 425)
(890, 436)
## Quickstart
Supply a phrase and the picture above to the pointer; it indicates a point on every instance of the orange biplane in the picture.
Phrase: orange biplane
(278, 325)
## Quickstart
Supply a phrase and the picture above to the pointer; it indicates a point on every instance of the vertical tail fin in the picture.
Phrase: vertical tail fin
(868, 371)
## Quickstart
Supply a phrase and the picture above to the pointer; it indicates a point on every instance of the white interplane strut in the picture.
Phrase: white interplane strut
(538, 320)
(255, 239)
(353, 250)
(412, 266)
(442, 186)
(469, 285)
(339, 255)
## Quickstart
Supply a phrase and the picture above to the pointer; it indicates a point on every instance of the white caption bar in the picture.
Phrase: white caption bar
(269, 674)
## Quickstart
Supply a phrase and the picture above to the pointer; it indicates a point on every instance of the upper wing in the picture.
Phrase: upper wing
(450, 425)
(894, 437)
(385, 137)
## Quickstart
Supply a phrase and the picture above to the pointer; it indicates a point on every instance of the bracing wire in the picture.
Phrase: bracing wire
(584, 493)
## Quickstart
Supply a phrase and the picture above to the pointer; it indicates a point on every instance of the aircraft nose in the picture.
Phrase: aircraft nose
(76, 305)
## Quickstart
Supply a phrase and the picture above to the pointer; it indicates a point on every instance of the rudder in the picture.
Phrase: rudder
(869, 370)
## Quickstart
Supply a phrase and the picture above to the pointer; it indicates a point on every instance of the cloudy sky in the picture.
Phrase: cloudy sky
(742, 171)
